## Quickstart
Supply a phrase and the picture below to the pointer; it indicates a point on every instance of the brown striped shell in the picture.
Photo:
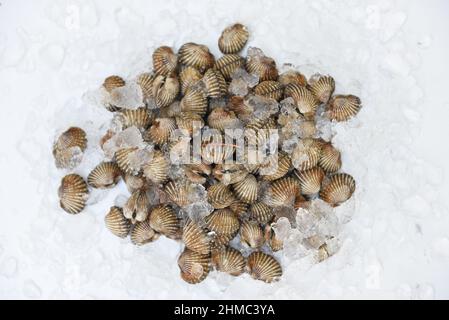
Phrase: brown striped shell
(261, 65)
(113, 82)
(273, 241)
(228, 64)
(194, 266)
(139, 118)
(197, 173)
(343, 107)
(262, 266)
(188, 77)
(310, 180)
(220, 196)
(195, 238)
(284, 164)
(137, 207)
(330, 159)
(322, 88)
(239, 207)
(196, 55)
(223, 222)
(229, 173)
(123, 158)
(73, 193)
(221, 119)
(117, 223)
(270, 89)
(163, 219)
(305, 101)
(228, 260)
(145, 81)
(247, 190)
(215, 83)
(215, 148)
(70, 143)
(165, 90)
(142, 233)
(194, 101)
(337, 189)
(156, 170)
(105, 175)
(178, 192)
(161, 130)
(190, 122)
(233, 39)
(306, 154)
(260, 212)
(251, 234)
(164, 61)
(282, 192)
(294, 77)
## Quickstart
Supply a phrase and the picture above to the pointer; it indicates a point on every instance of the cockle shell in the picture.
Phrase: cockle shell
(310, 180)
(163, 219)
(122, 157)
(262, 266)
(188, 77)
(194, 266)
(164, 61)
(69, 144)
(220, 196)
(251, 234)
(139, 118)
(197, 173)
(270, 89)
(260, 212)
(292, 76)
(113, 82)
(240, 108)
(134, 183)
(165, 90)
(190, 122)
(223, 222)
(338, 189)
(228, 260)
(215, 83)
(117, 223)
(160, 130)
(216, 147)
(330, 159)
(229, 63)
(306, 154)
(178, 192)
(229, 173)
(343, 107)
(283, 163)
(196, 55)
(145, 81)
(263, 66)
(137, 207)
(247, 189)
(142, 233)
(239, 207)
(322, 88)
(305, 101)
(195, 238)
(282, 192)
(104, 176)
(273, 241)
(233, 38)
(194, 101)
(157, 168)
(73, 193)
(221, 119)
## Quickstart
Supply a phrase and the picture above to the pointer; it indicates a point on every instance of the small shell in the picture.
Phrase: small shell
(215, 148)
(113, 82)
(283, 166)
(165, 90)
(251, 234)
(305, 101)
(220, 196)
(282, 192)
(137, 207)
(228, 64)
(262, 266)
(73, 193)
(338, 189)
(142, 233)
(260, 212)
(215, 83)
(306, 154)
(134, 183)
(69, 144)
(196, 55)
(239, 207)
(247, 189)
(117, 223)
(104, 176)
(157, 168)
(221, 119)
(229, 173)
(195, 238)
(342, 108)
(123, 160)
(270, 89)
(145, 81)
(197, 173)
(323, 88)
(191, 122)
(310, 180)
(161, 130)
(273, 241)
(330, 159)
(188, 77)
(164, 61)
(228, 260)
(292, 76)
(261, 65)
(163, 220)
(223, 222)
(194, 266)
(233, 39)
(194, 101)
(177, 192)
(139, 118)
(240, 108)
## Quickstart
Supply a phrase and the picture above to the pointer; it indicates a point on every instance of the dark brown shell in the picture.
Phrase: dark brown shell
(105, 175)
(216, 85)
(228, 260)
(323, 88)
(113, 82)
(195, 238)
(228, 64)
(66, 145)
(233, 39)
(194, 266)
(117, 223)
(261, 212)
(343, 107)
(338, 189)
(262, 266)
(139, 118)
(164, 61)
(196, 55)
(270, 89)
(330, 159)
(73, 193)
(163, 219)
(142, 233)
(239, 207)
(305, 101)
(310, 180)
(251, 234)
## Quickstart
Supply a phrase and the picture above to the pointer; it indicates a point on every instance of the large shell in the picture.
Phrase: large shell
(137, 207)
(270, 89)
(221, 119)
(65, 149)
(145, 81)
(104, 176)
(261, 65)
(306, 154)
(142, 233)
(330, 159)
(195, 238)
(194, 266)
(310, 180)
(157, 168)
(215, 83)
(139, 118)
(73, 193)
(113, 82)
(273, 241)
(261, 212)
(322, 88)
(134, 183)
(160, 130)
(123, 157)
(247, 189)
(177, 192)
(196, 55)
(194, 101)
(305, 101)
(191, 122)
(188, 77)
(163, 220)
(251, 234)
(228, 260)
(338, 189)
(284, 164)
(292, 76)
(228, 64)
(220, 196)
(117, 223)
(165, 90)
(343, 107)
(262, 266)
(282, 192)
(233, 38)
(223, 222)
(164, 61)
(229, 173)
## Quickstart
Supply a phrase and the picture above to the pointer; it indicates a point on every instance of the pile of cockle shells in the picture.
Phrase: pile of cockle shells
(193, 86)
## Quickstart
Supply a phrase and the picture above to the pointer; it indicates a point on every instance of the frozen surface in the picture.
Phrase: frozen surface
(393, 54)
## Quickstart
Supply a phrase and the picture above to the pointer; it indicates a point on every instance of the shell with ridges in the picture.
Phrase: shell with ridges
(196, 55)
(292, 76)
(122, 157)
(229, 173)
(337, 189)
(262, 266)
(273, 241)
(113, 82)
(233, 39)
(73, 193)
(284, 164)
(343, 107)
(260, 212)
(157, 168)
(139, 118)
(160, 130)
(223, 222)
(137, 207)
(215, 148)
(194, 266)
(239, 207)
(330, 159)
(322, 88)
(282, 192)
(117, 223)
(228, 64)
(177, 192)
(215, 83)
(270, 89)
(228, 260)
(221, 119)
(220, 196)
(261, 65)
(195, 238)
(306, 154)
(310, 180)
(194, 101)
(305, 101)
(142, 233)
(164, 61)
(163, 219)
(145, 81)
(190, 122)
(247, 190)
(70, 142)
(104, 176)
(251, 234)
(165, 90)
(188, 77)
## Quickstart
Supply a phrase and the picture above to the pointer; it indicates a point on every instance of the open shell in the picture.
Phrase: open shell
(220, 196)
(105, 175)
(251, 234)
(247, 189)
(194, 266)
(157, 168)
(73, 193)
(195, 238)
(196, 55)
(228, 260)
(142, 233)
(164, 61)
(322, 88)
(117, 223)
(310, 180)
(228, 64)
(67, 146)
(330, 159)
(343, 107)
(137, 207)
(233, 38)
(262, 266)
(338, 189)
(163, 219)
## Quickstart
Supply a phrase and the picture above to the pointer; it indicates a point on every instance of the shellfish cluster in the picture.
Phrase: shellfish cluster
(224, 211)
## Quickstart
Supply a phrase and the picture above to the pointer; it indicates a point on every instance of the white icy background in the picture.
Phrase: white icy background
(391, 53)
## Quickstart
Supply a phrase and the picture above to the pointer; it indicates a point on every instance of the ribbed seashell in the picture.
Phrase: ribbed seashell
(139, 118)
(215, 148)
(305, 101)
(163, 219)
(197, 56)
(251, 234)
(178, 192)
(283, 166)
(221, 119)
(310, 180)
(188, 77)
(270, 89)
(160, 130)
(282, 192)
(306, 154)
(223, 222)
(243, 111)
(137, 207)
(194, 101)
(157, 168)
(195, 238)
(104, 176)
(215, 83)
(343, 107)
(134, 183)
(165, 90)
(142, 233)
(261, 212)
(239, 207)
(73, 193)
(145, 81)
(301, 202)
(322, 88)
(228, 260)
(194, 266)
(262, 266)
(117, 223)
(228, 64)
(220, 196)
(247, 190)
(221, 240)
(273, 241)
(164, 61)
(293, 77)
(67, 145)
(233, 39)
(263, 66)
(337, 189)
(113, 82)
(191, 122)
(330, 159)
(122, 157)
(229, 173)
(197, 173)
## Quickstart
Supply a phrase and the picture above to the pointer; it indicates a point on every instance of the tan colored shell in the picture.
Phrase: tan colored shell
(195, 238)
(145, 81)
(228, 260)
(305, 101)
(160, 130)
(196, 55)
(164, 61)
(310, 180)
(163, 219)
(251, 234)
(223, 222)
(134, 183)
(228, 64)
(270, 89)
(260, 212)
(142, 233)
(220, 196)
(190, 122)
(188, 77)
(284, 164)
(273, 241)
(292, 76)
(262, 266)
(306, 154)
(194, 266)
(122, 157)
(194, 101)
(239, 207)
(282, 192)
(330, 159)
(233, 39)
(157, 168)
(240, 108)
(139, 118)
(113, 82)
(322, 88)
(70, 142)
(343, 107)
(165, 90)
(215, 148)
(215, 83)
(104, 176)
(178, 192)
(263, 66)
(197, 173)
(229, 173)
(338, 189)
(117, 223)
(137, 207)
(221, 119)
(73, 193)
(247, 190)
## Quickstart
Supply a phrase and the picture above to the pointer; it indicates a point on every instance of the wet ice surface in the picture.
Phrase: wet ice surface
(394, 243)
